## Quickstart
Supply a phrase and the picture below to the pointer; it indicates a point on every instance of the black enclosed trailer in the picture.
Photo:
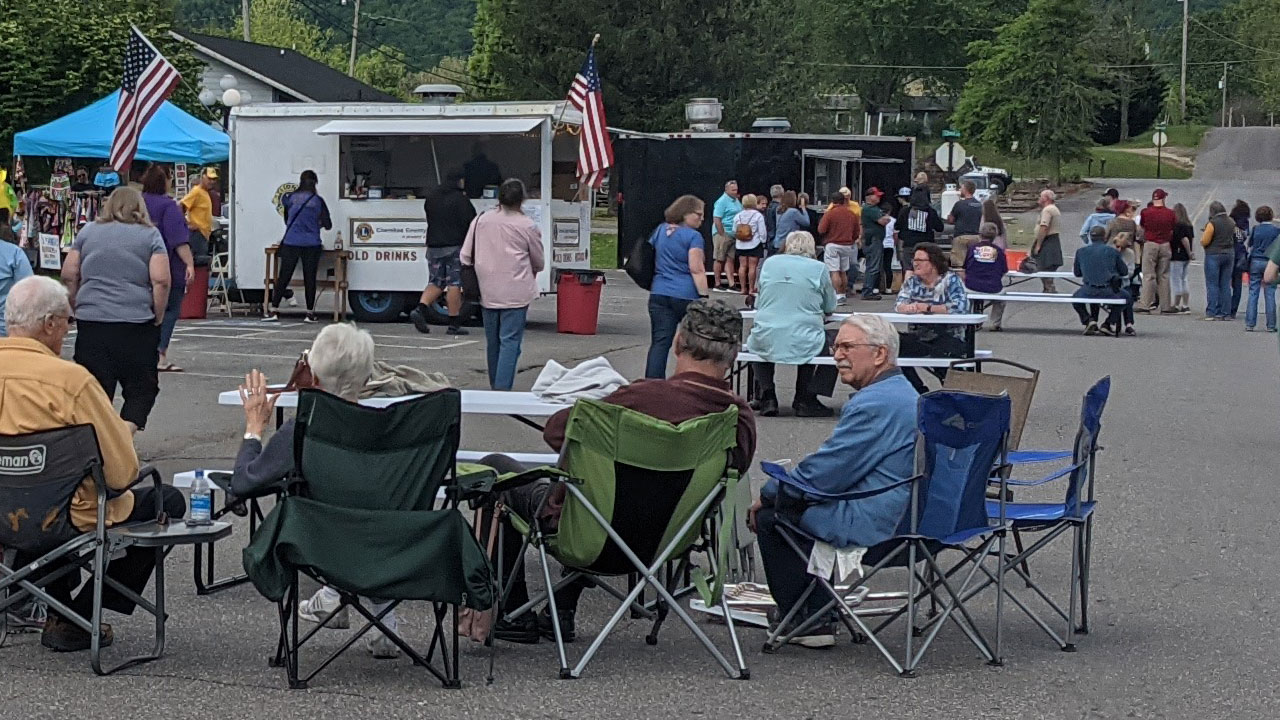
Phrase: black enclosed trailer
(650, 171)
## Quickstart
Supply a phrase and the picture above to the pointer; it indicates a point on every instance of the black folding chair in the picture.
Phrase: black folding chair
(39, 475)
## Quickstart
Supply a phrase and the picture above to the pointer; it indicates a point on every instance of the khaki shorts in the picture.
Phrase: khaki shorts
(840, 258)
(723, 248)
(960, 245)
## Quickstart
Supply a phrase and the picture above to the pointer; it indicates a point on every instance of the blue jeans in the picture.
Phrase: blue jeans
(171, 313)
(1256, 267)
(1217, 283)
(665, 314)
(503, 331)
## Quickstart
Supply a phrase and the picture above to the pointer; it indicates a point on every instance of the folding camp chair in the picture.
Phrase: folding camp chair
(641, 495)
(39, 475)
(360, 519)
(962, 436)
(1052, 520)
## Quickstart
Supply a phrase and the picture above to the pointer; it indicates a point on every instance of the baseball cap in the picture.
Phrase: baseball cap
(1159, 194)
(904, 192)
(211, 172)
(846, 192)
(873, 190)
(714, 320)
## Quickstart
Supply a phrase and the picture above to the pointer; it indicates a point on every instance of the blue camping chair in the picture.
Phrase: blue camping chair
(1052, 520)
(963, 435)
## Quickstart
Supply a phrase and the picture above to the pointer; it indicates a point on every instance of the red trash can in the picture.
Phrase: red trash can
(196, 303)
(578, 301)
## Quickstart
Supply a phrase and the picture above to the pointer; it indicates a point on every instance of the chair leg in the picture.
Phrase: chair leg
(999, 656)
(1017, 544)
(909, 670)
(1085, 567)
(555, 613)
(1075, 584)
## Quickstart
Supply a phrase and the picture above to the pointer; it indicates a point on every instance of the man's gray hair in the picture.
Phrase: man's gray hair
(799, 242)
(34, 299)
(878, 331)
(342, 359)
(1049, 195)
(775, 191)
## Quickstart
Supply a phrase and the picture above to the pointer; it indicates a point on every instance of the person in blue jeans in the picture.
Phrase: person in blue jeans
(505, 247)
(1261, 239)
(1218, 242)
(679, 277)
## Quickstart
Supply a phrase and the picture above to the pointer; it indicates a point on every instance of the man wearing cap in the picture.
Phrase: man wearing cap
(873, 223)
(1158, 221)
(199, 208)
(966, 217)
(706, 344)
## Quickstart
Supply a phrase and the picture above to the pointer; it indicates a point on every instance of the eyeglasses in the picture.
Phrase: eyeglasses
(69, 318)
(848, 346)
(919, 261)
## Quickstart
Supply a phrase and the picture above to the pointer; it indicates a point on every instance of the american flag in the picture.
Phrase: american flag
(595, 149)
(148, 80)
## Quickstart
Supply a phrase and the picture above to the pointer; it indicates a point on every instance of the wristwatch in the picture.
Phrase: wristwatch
(252, 436)
(928, 309)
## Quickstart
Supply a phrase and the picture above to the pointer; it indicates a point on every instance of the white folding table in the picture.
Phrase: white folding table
(518, 405)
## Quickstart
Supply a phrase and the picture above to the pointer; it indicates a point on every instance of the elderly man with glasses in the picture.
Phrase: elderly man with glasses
(871, 447)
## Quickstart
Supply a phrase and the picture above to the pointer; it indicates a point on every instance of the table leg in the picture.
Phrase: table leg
(208, 584)
(529, 422)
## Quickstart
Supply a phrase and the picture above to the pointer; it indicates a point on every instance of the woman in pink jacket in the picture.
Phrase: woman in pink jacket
(505, 247)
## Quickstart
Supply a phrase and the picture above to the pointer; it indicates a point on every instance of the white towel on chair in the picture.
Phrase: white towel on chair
(592, 379)
(825, 559)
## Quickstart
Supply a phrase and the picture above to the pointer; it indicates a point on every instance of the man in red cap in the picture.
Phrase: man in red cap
(873, 223)
(1158, 222)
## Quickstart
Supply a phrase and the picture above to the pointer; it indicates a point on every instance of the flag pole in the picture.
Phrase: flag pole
(557, 124)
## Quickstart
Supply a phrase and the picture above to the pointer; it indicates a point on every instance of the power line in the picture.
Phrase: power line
(1237, 42)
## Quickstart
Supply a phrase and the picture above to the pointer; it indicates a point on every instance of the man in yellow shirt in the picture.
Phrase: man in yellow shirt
(41, 391)
(199, 208)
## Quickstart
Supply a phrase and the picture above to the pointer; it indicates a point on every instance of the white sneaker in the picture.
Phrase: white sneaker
(840, 299)
(380, 646)
(293, 301)
(320, 606)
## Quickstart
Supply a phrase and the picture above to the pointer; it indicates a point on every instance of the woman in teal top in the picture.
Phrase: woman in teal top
(795, 293)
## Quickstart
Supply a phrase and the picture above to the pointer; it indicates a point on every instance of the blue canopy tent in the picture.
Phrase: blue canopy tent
(172, 135)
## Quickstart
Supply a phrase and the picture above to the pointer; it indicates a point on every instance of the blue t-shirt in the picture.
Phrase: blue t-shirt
(13, 267)
(305, 214)
(725, 209)
(1261, 238)
(671, 275)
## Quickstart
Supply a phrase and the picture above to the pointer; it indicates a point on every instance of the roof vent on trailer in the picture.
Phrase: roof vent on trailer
(704, 114)
(438, 94)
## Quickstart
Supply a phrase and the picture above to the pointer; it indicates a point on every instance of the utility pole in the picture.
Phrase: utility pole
(355, 32)
(1223, 83)
(1186, 24)
(244, 17)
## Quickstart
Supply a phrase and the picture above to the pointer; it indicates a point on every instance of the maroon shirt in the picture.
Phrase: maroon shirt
(1158, 224)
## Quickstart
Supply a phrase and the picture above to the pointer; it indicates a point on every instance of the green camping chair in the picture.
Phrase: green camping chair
(361, 520)
(642, 494)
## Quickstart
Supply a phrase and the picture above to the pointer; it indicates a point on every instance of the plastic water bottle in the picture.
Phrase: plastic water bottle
(201, 501)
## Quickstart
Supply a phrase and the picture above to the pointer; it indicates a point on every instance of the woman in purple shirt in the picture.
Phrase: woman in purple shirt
(984, 269)
(167, 217)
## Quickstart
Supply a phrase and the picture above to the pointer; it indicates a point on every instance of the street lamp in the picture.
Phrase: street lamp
(231, 97)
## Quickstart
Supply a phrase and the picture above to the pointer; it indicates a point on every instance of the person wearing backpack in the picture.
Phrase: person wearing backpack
(305, 215)
(750, 233)
(679, 276)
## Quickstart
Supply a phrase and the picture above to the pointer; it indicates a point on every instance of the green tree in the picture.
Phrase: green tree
(1262, 74)
(60, 55)
(653, 56)
(1037, 84)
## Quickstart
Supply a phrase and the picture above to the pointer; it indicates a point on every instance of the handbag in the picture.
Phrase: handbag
(470, 281)
(641, 263)
(476, 624)
(1029, 266)
(301, 377)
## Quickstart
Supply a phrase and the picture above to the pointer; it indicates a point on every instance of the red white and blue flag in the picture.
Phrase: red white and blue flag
(148, 80)
(595, 149)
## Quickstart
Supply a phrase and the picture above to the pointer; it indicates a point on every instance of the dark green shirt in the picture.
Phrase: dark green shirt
(872, 230)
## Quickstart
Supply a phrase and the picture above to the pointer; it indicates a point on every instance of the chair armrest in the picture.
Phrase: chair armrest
(511, 481)
(1048, 479)
(790, 481)
(1027, 457)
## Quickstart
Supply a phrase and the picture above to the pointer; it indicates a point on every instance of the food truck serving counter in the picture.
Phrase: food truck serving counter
(377, 162)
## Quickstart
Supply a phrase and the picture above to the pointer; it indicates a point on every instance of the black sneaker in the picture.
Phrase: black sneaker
(812, 409)
(817, 637)
(457, 330)
(62, 636)
(522, 630)
(310, 318)
(567, 630)
(420, 321)
(1091, 329)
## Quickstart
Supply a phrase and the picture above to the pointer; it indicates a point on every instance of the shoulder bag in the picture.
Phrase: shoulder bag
(470, 282)
(641, 264)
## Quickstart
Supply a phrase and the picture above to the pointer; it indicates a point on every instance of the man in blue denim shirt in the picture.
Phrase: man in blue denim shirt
(871, 447)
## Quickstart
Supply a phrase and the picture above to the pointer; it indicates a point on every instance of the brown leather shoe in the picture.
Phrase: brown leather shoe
(62, 636)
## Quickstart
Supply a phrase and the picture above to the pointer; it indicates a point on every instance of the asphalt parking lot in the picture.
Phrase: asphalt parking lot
(1184, 608)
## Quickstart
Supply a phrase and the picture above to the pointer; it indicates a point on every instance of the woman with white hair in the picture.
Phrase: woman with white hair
(341, 359)
(117, 273)
(795, 294)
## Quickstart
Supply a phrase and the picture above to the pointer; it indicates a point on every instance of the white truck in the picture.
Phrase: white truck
(377, 161)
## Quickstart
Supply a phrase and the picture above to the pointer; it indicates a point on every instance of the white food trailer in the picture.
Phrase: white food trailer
(375, 164)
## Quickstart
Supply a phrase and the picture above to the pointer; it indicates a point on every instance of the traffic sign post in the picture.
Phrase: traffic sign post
(950, 156)
(1159, 139)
